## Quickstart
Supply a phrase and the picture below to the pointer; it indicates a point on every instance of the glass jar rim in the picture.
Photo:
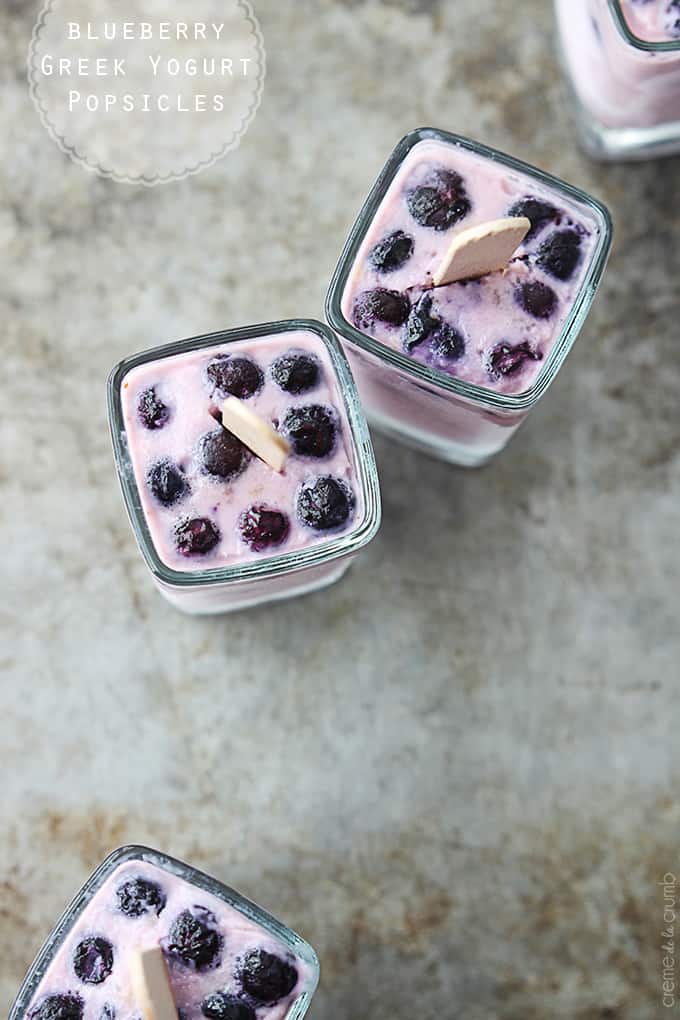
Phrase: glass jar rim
(492, 399)
(660, 46)
(283, 563)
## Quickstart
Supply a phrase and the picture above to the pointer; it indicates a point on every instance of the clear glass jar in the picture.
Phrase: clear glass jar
(626, 90)
(242, 585)
(459, 422)
(233, 899)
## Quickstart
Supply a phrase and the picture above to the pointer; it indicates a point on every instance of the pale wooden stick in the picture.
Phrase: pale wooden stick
(151, 985)
(482, 249)
(257, 434)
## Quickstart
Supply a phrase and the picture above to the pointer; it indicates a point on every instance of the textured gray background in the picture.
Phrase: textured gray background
(455, 772)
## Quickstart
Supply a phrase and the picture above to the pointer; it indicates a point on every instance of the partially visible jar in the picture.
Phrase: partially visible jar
(622, 59)
(219, 529)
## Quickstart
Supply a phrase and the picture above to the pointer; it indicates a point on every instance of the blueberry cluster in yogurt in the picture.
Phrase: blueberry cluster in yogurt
(494, 331)
(208, 500)
(221, 964)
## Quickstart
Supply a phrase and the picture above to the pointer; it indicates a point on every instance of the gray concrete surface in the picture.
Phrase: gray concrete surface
(455, 772)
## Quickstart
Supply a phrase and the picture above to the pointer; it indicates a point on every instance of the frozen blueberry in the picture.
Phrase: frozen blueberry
(392, 252)
(560, 254)
(506, 359)
(194, 940)
(262, 527)
(223, 455)
(266, 977)
(168, 482)
(673, 19)
(420, 323)
(235, 375)
(446, 343)
(537, 299)
(311, 430)
(153, 413)
(380, 305)
(423, 204)
(324, 502)
(221, 1006)
(93, 960)
(196, 536)
(535, 210)
(138, 896)
(441, 202)
(296, 372)
(59, 1007)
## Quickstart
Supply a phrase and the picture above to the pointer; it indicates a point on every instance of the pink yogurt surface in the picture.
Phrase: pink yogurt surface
(102, 917)
(653, 20)
(485, 311)
(181, 383)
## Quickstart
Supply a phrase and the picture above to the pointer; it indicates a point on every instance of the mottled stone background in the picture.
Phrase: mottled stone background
(456, 771)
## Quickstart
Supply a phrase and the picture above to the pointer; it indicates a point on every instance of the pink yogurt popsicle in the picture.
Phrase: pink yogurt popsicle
(208, 501)
(220, 963)
(495, 331)
(653, 20)
(622, 86)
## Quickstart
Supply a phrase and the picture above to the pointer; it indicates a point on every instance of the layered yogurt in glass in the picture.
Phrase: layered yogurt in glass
(623, 60)
(218, 525)
(226, 959)
(455, 368)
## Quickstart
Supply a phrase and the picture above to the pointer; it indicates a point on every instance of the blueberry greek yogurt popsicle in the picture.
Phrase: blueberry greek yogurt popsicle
(494, 330)
(219, 964)
(240, 451)
(653, 20)
(620, 85)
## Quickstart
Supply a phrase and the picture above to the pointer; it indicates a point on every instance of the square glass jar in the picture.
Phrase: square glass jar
(281, 575)
(132, 854)
(625, 89)
(458, 421)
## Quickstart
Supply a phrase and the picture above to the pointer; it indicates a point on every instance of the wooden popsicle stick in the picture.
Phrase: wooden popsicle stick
(256, 433)
(482, 249)
(151, 985)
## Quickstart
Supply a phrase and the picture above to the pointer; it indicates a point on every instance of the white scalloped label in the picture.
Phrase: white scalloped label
(147, 93)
